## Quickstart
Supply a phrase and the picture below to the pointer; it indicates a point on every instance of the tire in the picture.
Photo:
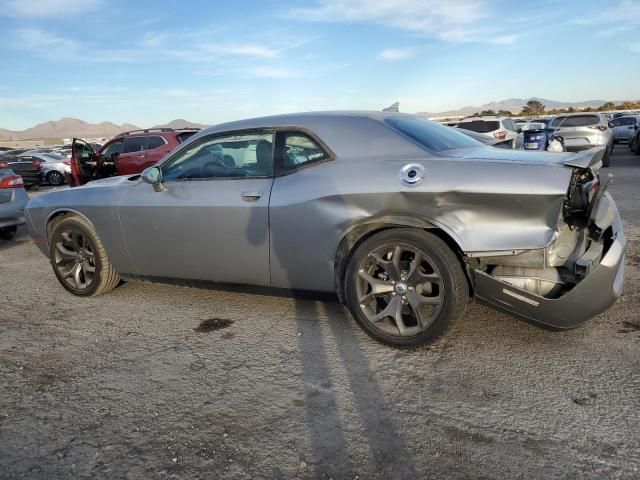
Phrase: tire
(75, 245)
(439, 271)
(55, 178)
(7, 233)
(606, 160)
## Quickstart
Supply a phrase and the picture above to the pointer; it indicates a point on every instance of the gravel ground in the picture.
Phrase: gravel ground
(157, 381)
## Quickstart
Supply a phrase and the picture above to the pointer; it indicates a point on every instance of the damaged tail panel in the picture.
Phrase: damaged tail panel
(579, 274)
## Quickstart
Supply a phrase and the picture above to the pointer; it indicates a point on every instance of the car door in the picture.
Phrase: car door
(132, 160)
(210, 222)
(83, 162)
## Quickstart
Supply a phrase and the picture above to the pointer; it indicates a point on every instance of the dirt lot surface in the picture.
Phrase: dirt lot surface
(159, 381)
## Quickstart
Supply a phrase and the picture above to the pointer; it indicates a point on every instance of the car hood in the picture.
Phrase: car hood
(491, 154)
(110, 182)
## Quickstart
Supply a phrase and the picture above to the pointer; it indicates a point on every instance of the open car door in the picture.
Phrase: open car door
(83, 162)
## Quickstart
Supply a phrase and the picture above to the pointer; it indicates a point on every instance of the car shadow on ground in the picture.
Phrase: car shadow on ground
(21, 237)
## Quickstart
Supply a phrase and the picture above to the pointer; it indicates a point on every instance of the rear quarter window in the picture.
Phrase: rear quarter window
(182, 137)
(432, 135)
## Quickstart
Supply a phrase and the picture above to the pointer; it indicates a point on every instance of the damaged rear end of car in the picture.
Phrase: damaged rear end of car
(579, 274)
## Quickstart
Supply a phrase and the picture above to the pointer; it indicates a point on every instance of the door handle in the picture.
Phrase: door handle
(251, 196)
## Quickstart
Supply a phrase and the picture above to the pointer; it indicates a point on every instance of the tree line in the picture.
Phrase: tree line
(535, 108)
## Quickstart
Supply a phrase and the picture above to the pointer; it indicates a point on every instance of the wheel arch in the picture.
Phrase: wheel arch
(57, 215)
(364, 229)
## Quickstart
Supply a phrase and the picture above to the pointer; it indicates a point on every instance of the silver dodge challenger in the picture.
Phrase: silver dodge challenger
(405, 219)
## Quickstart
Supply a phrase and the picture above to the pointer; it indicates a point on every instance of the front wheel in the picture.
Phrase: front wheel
(79, 259)
(405, 286)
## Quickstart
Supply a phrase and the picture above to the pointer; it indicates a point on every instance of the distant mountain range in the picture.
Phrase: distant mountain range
(68, 127)
(73, 127)
(181, 123)
(514, 105)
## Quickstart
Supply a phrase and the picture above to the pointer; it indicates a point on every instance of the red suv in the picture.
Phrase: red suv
(126, 154)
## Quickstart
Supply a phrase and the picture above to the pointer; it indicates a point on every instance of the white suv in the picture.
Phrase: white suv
(501, 128)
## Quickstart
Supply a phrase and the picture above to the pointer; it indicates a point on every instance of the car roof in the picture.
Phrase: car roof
(350, 134)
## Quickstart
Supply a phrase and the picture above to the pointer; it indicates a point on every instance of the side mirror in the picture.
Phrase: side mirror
(611, 125)
(519, 130)
(153, 176)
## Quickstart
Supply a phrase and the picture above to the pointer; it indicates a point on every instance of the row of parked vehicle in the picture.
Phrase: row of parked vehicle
(37, 166)
(573, 131)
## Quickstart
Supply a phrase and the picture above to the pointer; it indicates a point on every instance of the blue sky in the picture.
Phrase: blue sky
(148, 62)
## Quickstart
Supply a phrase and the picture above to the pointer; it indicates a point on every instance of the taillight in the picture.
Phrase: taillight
(501, 135)
(602, 128)
(67, 163)
(14, 181)
(4, 164)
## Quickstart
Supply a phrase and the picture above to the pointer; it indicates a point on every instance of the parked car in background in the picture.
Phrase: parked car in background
(500, 128)
(54, 167)
(582, 131)
(487, 140)
(283, 202)
(28, 167)
(634, 138)
(623, 127)
(14, 151)
(13, 199)
(126, 154)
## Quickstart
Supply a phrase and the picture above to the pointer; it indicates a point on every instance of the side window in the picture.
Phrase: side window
(628, 121)
(115, 147)
(509, 124)
(135, 144)
(155, 141)
(239, 155)
(300, 149)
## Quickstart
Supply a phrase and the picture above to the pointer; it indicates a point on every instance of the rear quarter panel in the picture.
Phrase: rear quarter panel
(97, 202)
(483, 205)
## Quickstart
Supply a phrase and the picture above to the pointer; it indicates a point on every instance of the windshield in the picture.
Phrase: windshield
(480, 126)
(430, 134)
(574, 121)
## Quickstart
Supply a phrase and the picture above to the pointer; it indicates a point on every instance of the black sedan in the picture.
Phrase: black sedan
(29, 168)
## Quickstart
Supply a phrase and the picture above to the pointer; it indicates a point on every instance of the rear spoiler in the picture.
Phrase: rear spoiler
(587, 158)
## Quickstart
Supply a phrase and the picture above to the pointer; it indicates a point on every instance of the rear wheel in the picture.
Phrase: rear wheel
(55, 178)
(7, 233)
(405, 287)
(79, 259)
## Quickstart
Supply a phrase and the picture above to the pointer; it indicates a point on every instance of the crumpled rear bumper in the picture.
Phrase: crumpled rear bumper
(594, 294)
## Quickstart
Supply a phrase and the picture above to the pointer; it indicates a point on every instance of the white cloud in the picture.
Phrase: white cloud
(626, 12)
(47, 43)
(394, 54)
(635, 47)
(435, 17)
(241, 49)
(271, 72)
(504, 39)
(46, 8)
